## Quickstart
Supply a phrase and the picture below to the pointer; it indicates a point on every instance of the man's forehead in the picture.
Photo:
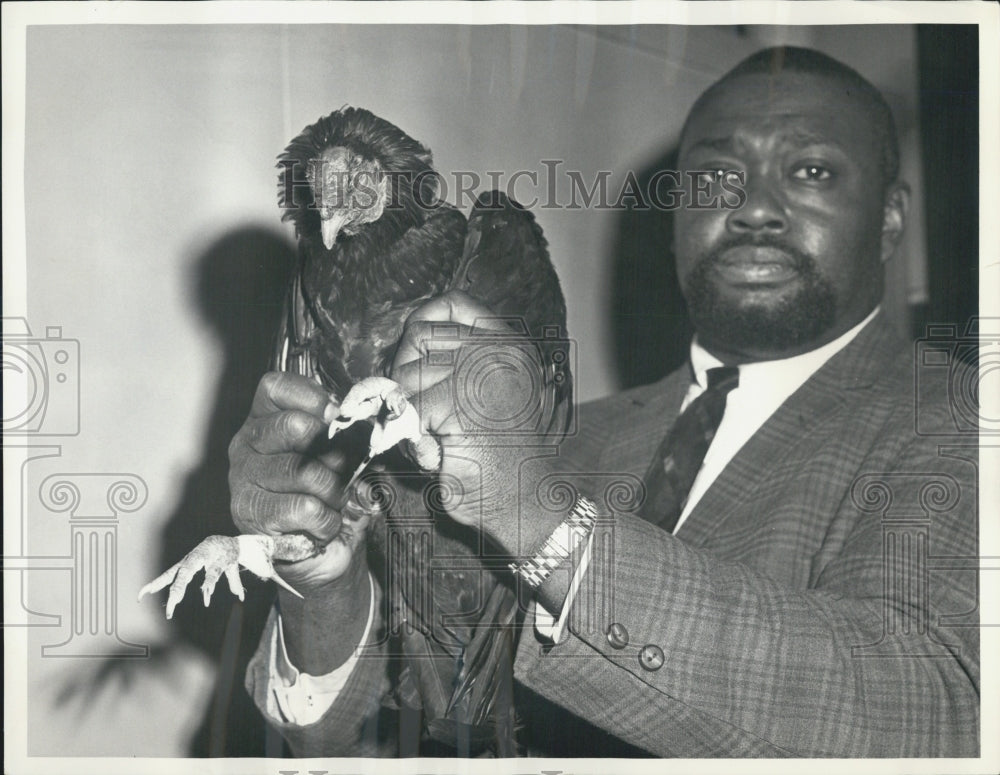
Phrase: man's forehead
(802, 108)
(786, 130)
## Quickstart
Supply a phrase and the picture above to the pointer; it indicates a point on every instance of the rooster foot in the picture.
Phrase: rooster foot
(219, 555)
(393, 417)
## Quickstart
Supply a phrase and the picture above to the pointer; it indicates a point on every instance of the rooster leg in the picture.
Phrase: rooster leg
(224, 555)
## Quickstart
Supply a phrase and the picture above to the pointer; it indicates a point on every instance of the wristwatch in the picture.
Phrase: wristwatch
(559, 545)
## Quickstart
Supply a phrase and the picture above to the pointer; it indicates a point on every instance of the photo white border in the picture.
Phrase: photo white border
(17, 16)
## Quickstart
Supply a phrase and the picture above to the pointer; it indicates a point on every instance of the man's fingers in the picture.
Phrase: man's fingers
(436, 410)
(428, 325)
(292, 473)
(421, 337)
(279, 391)
(457, 307)
(335, 460)
(276, 513)
(285, 431)
(423, 372)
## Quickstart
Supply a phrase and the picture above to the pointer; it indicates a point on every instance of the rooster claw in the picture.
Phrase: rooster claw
(394, 420)
(218, 556)
(368, 399)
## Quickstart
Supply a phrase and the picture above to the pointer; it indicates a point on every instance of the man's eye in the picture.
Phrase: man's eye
(710, 175)
(812, 172)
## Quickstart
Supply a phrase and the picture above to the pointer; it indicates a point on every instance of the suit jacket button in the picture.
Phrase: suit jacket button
(651, 657)
(617, 635)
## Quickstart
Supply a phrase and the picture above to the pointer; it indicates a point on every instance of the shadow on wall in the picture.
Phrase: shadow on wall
(241, 285)
(649, 318)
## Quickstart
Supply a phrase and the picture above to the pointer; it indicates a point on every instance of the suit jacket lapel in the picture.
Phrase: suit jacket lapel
(646, 416)
(856, 367)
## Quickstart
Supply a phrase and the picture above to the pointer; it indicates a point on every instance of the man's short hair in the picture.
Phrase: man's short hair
(771, 61)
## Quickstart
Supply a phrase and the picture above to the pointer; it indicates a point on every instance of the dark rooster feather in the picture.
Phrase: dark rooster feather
(375, 241)
(351, 300)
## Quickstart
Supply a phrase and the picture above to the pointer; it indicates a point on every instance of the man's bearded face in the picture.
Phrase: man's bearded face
(786, 322)
(800, 261)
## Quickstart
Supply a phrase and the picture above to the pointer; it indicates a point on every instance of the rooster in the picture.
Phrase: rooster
(375, 241)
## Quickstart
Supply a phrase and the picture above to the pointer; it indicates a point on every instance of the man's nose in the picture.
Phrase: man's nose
(763, 211)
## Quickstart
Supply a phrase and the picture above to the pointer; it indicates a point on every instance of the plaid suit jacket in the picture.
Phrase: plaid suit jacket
(812, 604)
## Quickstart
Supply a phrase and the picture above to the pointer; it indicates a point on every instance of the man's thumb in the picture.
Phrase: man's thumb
(434, 409)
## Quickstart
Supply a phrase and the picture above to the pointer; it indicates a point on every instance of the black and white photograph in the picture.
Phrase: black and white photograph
(500, 387)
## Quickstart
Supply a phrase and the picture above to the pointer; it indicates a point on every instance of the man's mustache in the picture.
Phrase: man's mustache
(799, 259)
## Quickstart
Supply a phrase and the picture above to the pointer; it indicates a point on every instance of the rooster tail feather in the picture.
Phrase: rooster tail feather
(486, 658)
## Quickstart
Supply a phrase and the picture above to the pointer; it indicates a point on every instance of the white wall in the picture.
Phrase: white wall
(147, 145)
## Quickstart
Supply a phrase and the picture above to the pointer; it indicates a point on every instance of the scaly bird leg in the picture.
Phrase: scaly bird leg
(358, 471)
(219, 555)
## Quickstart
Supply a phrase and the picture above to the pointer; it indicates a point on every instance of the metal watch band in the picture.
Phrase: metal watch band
(559, 545)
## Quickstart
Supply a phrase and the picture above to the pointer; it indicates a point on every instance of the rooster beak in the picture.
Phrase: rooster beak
(330, 227)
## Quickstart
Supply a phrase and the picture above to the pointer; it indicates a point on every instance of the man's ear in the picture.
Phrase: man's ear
(897, 204)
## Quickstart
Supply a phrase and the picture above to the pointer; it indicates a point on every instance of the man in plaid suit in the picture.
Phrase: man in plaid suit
(816, 594)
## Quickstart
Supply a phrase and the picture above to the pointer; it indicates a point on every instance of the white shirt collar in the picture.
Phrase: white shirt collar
(763, 387)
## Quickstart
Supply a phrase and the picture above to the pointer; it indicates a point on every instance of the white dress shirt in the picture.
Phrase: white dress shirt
(763, 387)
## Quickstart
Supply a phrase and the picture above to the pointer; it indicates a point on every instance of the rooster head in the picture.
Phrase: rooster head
(352, 169)
(348, 189)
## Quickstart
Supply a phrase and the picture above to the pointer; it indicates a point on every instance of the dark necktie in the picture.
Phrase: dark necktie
(679, 457)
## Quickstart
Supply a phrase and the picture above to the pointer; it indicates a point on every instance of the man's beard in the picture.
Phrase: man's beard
(799, 315)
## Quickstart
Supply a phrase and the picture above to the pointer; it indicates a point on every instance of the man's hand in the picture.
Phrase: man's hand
(282, 480)
(465, 401)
